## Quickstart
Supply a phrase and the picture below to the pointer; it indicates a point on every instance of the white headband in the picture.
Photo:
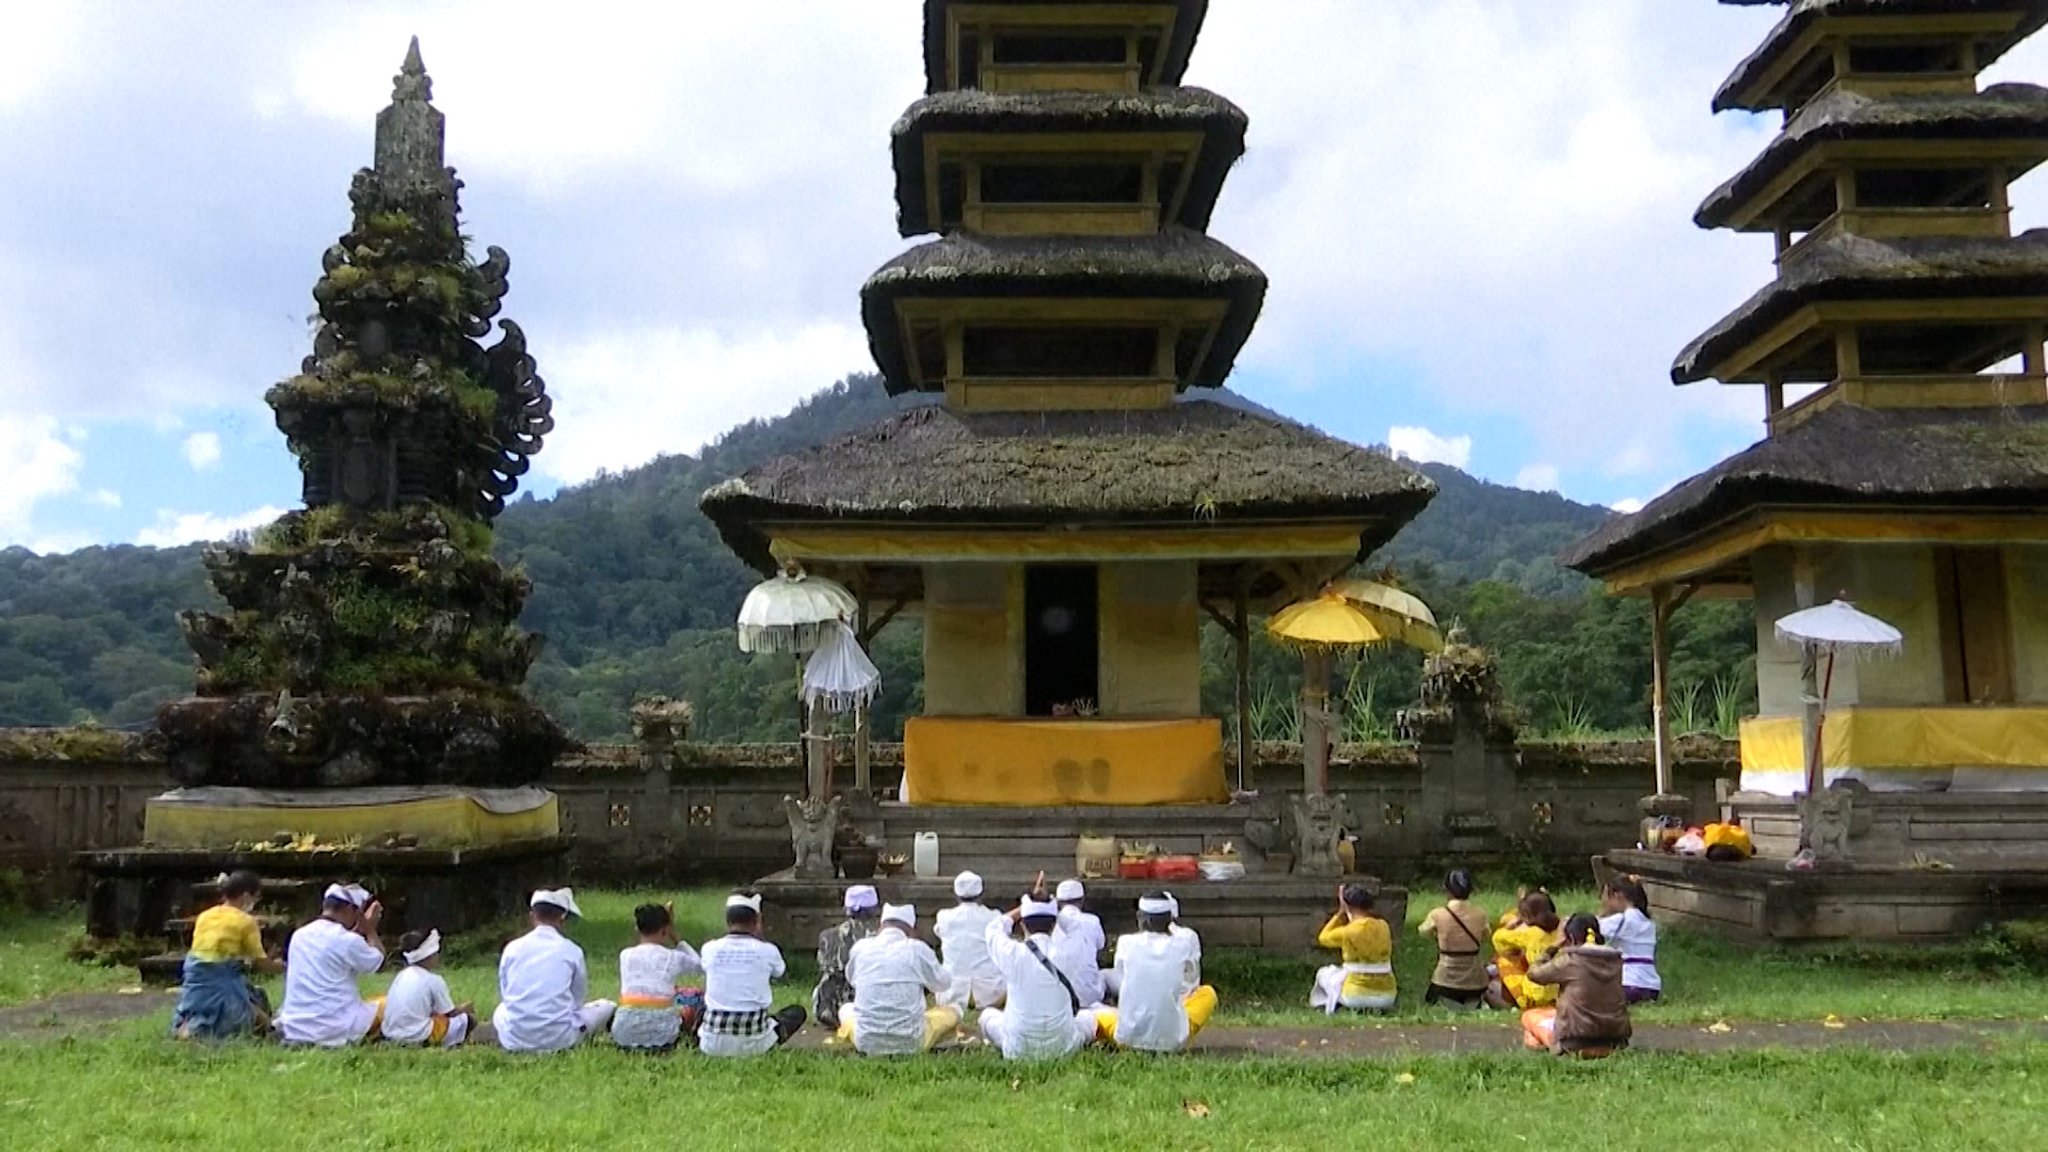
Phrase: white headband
(1147, 906)
(1069, 890)
(354, 895)
(861, 897)
(556, 898)
(1032, 909)
(429, 947)
(967, 886)
(904, 914)
(738, 901)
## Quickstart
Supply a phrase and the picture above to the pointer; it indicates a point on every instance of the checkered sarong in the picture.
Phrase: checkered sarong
(757, 1023)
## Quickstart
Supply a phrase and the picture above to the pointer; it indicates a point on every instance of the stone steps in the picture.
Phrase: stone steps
(1017, 843)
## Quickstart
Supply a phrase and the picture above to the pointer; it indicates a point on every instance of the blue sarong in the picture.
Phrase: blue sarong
(215, 1001)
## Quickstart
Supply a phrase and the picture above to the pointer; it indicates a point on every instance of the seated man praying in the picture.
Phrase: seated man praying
(418, 1009)
(1077, 944)
(216, 998)
(542, 982)
(1043, 1017)
(1161, 1004)
(739, 973)
(962, 930)
(834, 945)
(651, 1015)
(322, 1006)
(892, 972)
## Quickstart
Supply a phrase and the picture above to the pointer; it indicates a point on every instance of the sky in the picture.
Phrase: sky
(1476, 215)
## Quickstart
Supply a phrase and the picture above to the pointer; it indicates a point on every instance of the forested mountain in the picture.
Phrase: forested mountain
(637, 594)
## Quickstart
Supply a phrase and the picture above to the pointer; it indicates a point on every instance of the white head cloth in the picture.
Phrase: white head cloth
(1148, 906)
(352, 894)
(556, 898)
(861, 897)
(967, 886)
(431, 946)
(737, 900)
(1172, 906)
(1032, 909)
(1068, 891)
(904, 914)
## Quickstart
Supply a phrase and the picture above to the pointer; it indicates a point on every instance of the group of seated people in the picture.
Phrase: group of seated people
(1034, 974)
(1572, 980)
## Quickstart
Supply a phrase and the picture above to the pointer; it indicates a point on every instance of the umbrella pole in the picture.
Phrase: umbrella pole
(1315, 729)
(803, 730)
(1816, 770)
(1241, 637)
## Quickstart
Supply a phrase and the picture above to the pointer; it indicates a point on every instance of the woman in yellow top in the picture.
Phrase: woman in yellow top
(1365, 981)
(217, 1000)
(1529, 939)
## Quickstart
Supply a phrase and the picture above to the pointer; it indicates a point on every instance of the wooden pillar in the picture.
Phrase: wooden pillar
(1803, 578)
(2034, 365)
(1241, 637)
(818, 774)
(1315, 729)
(1660, 682)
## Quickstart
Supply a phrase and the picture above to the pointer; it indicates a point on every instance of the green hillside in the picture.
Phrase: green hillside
(636, 594)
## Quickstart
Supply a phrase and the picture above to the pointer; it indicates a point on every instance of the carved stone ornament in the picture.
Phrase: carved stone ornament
(813, 824)
(1319, 822)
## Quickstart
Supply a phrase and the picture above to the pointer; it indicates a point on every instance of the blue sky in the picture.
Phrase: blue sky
(1475, 213)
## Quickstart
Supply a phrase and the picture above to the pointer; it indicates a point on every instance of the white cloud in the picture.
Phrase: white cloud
(41, 462)
(36, 46)
(174, 528)
(1537, 478)
(1627, 507)
(1424, 446)
(104, 498)
(623, 398)
(202, 450)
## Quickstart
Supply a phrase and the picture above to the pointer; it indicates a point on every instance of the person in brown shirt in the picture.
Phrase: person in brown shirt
(1591, 1016)
(1458, 929)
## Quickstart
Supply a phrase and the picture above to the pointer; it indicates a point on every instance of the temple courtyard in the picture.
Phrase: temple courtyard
(1840, 1047)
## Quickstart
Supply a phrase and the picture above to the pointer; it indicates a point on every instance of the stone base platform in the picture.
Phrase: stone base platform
(1023, 841)
(1270, 913)
(148, 893)
(1762, 900)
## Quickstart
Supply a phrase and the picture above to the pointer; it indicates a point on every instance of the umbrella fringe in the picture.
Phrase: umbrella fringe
(794, 639)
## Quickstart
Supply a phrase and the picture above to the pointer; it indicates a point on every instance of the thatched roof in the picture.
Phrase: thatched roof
(1845, 268)
(1187, 25)
(1221, 123)
(1174, 264)
(1194, 462)
(1846, 456)
(1802, 14)
(2002, 112)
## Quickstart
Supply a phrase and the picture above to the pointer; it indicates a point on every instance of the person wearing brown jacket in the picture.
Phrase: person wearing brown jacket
(1591, 1016)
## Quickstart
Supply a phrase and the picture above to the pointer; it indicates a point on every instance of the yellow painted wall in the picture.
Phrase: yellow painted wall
(973, 656)
(2026, 583)
(1151, 640)
(1892, 582)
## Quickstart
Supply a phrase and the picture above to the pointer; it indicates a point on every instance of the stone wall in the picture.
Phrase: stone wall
(714, 812)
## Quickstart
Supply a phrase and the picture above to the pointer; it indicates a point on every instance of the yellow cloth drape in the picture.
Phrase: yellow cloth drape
(1933, 738)
(1044, 763)
(451, 821)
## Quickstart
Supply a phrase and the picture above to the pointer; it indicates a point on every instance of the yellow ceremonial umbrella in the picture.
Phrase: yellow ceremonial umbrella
(1319, 627)
(1403, 617)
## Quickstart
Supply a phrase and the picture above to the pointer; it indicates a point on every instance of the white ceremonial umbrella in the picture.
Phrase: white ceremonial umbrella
(1829, 630)
(789, 612)
(839, 675)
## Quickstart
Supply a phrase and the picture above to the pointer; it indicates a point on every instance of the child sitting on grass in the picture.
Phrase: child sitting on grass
(1365, 981)
(1523, 940)
(1625, 923)
(1590, 1018)
(418, 1010)
(652, 1003)
(217, 999)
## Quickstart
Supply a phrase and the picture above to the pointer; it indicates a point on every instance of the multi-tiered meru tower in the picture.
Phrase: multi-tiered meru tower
(1900, 356)
(1063, 515)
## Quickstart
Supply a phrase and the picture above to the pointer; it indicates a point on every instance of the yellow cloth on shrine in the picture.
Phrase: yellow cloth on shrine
(1902, 738)
(1048, 763)
(452, 818)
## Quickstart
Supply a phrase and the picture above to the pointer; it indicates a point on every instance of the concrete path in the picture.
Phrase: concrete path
(87, 1013)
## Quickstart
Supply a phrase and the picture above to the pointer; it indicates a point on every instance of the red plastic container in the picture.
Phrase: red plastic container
(1134, 869)
(1177, 868)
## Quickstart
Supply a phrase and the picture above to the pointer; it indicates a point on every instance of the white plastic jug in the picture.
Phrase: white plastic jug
(924, 856)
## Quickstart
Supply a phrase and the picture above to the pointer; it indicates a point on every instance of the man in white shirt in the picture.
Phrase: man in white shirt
(961, 930)
(542, 980)
(739, 971)
(891, 973)
(1161, 1007)
(322, 1006)
(1078, 943)
(1042, 1017)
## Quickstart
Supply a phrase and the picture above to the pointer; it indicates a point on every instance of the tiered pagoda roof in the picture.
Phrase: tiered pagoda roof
(1163, 57)
(1900, 285)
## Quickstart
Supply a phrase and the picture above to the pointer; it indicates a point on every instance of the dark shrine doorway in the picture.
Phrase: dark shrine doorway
(1061, 642)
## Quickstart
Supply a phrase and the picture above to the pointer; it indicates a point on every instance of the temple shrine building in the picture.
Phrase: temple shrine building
(1898, 355)
(1078, 495)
